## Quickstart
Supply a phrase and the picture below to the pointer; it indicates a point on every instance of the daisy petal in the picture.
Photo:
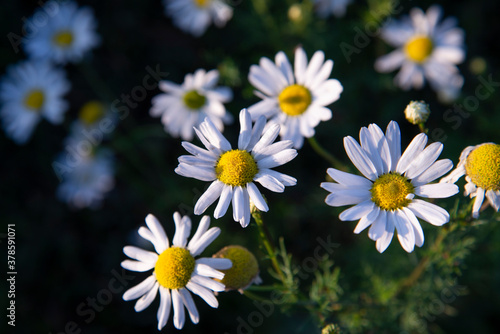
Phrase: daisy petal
(478, 202)
(165, 306)
(359, 158)
(377, 229)
(158, 232)
(204, 293)
(146, 300)
(208, 282)
(383, 242)
(404, 228)
(414, 149)
(436, 190)
(140, 289)
(179, 316)
(140, 254)
(137, 266)
(367, 220)
(224, 201)
(211, 194)
(429, 212)
(204, 241)
(256, 197)
(216, 263)
(187, 300)
(357, 211)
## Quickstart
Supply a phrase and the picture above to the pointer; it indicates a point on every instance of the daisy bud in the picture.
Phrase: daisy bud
(417, 112)
(245, 269)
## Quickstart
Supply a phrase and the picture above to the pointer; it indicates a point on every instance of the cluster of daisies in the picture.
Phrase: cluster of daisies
(35, 88)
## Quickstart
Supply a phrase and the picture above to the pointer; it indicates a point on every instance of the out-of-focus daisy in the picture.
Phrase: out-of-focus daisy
(481, 166)
(384, 198)
(294, 99)
(185, 106)
(245, 269)
(86, 182)
(176, 271)
(426, 49)
(325, 8)
(29, 91)
(94, 123)
(194, 16)
(234, 171)
(67, 36)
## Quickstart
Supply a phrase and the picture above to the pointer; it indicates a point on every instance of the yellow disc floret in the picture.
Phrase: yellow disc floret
(236, 168)
(483, 166)
(390, 191)
(63, 38)
(174, 267)
(294, 100)
(194, 100)
(201, 3)
(245, 267)
(91, 112)
(419, 48)
(34, 99)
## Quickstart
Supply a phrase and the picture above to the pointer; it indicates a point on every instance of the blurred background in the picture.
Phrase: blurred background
(66, 257)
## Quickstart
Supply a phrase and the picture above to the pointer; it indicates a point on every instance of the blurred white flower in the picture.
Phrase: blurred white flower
(176, 272)
(294, 99)
(481, 166)
(86, 182)
(194, 16)
(66, 37)
(234, 171)
(426, 49)
(325, 8)
(185, 106)
(29, 91)
(384, 198)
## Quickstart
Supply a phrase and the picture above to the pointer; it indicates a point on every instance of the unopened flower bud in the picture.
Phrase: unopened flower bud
(417, 112)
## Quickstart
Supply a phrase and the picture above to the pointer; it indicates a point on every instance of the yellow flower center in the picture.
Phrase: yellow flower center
(483, 166)
(236, 168)
(91, 112)
(34, 99)
(390, 191)
(63, 38)
(194, 100)
(294, 100)
(201, 3)
(244, 269)
(174, 267)
(419, 48)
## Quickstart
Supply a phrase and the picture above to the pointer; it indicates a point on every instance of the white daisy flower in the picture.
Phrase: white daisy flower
(234, 171)
(29, 91)
(481, 166)
(296, 100)
(86, 183)
(426, 49)
(384, 198)
(194, 16)
(325, 8)
(185, 106)
(67, 36)
(176, 271)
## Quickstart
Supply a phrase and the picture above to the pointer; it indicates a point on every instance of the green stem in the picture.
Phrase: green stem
(268, 245)
(422, 128)
(326, 155)
(424, 262)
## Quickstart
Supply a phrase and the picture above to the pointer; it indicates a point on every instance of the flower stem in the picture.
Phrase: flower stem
(326, 155)
(267, 242)
(423, 264)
